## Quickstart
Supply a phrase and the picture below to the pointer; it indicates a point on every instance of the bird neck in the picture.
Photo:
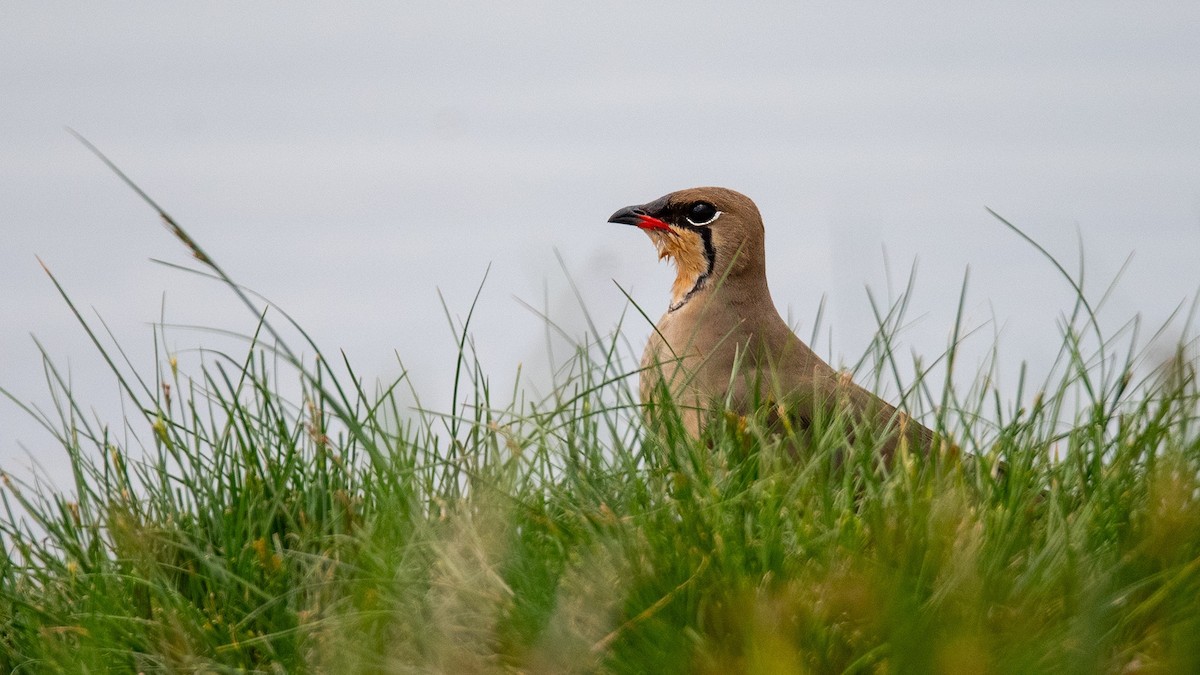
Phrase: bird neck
(742, 292)
(688, 284)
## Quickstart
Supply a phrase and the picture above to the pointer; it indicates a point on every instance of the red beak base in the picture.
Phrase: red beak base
(652, 223)
(637, 216)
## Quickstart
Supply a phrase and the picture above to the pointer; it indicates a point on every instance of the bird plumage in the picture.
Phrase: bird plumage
(722, 341)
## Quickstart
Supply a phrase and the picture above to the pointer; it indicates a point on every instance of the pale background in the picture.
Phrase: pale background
(350, 160)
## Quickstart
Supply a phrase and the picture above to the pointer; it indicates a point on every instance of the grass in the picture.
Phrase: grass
(234, 528)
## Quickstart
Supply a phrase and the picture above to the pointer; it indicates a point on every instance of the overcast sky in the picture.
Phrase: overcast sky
(349, 161)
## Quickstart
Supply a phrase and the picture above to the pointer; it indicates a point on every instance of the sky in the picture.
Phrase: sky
(360, 164)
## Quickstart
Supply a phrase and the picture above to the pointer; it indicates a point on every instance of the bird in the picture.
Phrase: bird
(721, 342)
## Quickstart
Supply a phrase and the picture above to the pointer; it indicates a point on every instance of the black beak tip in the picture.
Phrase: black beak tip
(630, 215)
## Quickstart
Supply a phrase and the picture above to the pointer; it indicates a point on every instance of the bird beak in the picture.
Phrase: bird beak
(638, 216)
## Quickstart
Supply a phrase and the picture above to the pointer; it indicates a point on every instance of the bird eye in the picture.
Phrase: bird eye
(702, 213)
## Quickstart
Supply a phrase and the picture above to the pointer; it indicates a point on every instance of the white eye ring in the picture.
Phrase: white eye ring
(716, 215)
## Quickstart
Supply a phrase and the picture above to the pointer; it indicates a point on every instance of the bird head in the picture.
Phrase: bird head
(713, 235)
